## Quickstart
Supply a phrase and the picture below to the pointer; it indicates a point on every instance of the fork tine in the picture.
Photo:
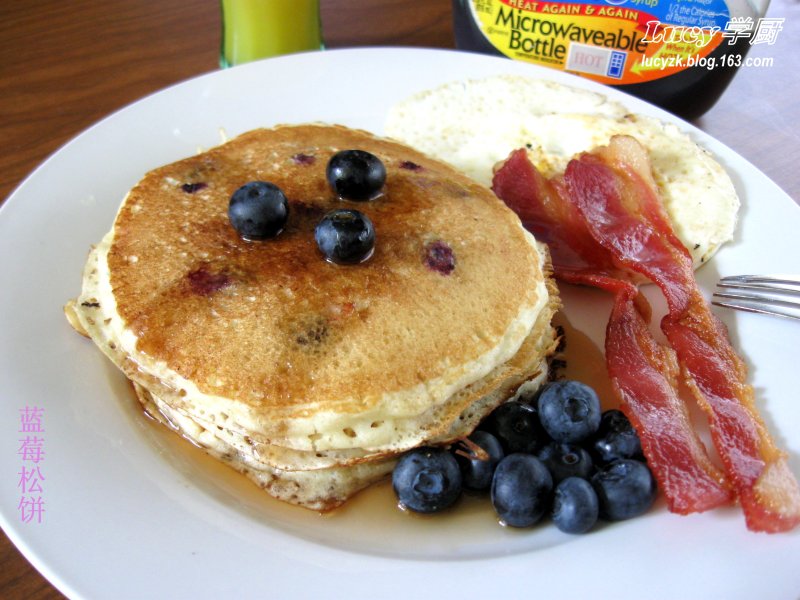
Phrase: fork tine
(762, 297)
(761, 309)
(755, 298)
(790, 280)
(765, 287)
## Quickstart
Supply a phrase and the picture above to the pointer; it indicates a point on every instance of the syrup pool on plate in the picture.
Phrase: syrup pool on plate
(371, 522)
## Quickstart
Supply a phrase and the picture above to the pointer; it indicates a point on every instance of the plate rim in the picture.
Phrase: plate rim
(16, 533)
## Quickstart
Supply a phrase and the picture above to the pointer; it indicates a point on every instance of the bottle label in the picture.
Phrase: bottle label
(611, 41)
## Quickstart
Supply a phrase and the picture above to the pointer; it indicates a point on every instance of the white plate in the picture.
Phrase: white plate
(132, 514)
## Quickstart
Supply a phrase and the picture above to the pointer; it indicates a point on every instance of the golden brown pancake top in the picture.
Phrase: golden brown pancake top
(272, 323)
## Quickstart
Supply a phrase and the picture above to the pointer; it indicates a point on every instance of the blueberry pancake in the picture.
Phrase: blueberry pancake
(306, 373)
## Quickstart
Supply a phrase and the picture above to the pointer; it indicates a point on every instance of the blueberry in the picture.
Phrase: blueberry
(575, 506)
(427, 480)
(566, 460)
(625, 489)
(258, 210)
(345, 236)
(356, 174)
(521, 490)
(516, 426)
(569, 411)
(476, 473)
(616, 438)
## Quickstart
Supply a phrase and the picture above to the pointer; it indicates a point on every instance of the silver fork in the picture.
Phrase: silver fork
(777, 295)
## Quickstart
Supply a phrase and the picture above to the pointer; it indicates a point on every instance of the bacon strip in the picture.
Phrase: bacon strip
(643, 373)
(613, 191)
(541, 206)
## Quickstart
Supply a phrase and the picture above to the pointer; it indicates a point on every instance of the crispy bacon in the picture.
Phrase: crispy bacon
(645, 376)
(540, 206)
(610, 195)
(613, 191)
(605, 224)
(643, 372)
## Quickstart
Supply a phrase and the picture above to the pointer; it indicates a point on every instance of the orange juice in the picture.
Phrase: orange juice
(253, 29)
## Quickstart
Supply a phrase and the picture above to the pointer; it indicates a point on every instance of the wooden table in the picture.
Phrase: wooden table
(65, 65)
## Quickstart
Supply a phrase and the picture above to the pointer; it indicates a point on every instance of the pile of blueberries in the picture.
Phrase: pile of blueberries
(259, 209)
(555, 453)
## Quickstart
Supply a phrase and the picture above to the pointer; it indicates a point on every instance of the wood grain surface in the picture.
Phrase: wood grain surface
(65, 65)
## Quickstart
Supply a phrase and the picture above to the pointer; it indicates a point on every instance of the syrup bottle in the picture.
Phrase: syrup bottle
(677, 54)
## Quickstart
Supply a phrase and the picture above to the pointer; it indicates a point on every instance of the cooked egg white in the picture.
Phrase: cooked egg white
(474, 125)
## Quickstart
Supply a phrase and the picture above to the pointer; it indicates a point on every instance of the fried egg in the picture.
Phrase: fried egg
(476, 124)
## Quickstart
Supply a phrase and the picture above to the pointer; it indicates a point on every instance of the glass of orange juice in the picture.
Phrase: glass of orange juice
(253, 29)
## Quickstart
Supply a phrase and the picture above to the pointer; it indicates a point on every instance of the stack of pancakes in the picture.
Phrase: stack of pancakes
(311, 377)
